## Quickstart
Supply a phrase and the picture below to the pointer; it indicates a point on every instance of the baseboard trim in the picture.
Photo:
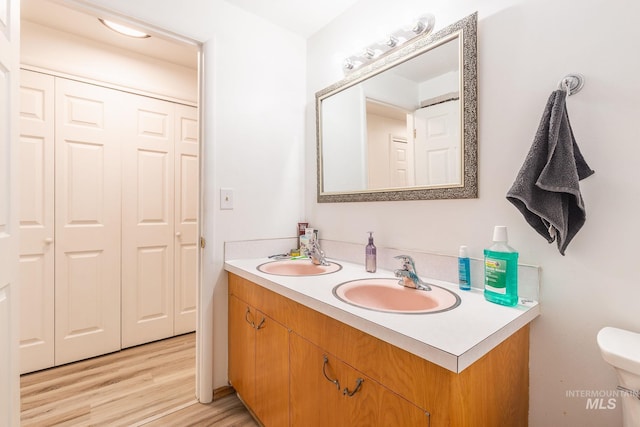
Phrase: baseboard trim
(223, 391)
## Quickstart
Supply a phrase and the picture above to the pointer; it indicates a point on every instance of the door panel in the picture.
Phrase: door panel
(272, 372)
(9, 214)
(186, 218)
(148, 220)
(400, 162)
(342, 402)
(311, 371)
(437, 144)
(9, 389)
(87, 218)
(242, 349)
(36, 221)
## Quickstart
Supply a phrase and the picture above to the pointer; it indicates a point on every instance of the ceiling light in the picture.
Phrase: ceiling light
(123, 29)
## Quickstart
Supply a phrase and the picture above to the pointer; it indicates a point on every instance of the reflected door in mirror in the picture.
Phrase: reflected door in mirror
(437, 145)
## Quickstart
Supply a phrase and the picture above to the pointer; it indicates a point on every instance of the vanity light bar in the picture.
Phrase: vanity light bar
(424, 25)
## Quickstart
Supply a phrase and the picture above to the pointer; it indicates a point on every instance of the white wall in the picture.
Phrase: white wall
(403, 91)
(525, 47)
(254, 101)
(379, 130)
(444, 83)
(340, 154)
(61, 52)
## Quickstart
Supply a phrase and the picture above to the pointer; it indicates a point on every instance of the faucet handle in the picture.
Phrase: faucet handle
(407, 261)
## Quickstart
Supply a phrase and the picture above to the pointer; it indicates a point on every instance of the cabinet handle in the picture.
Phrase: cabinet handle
(324, 372)
(261, 323)
(48, 240)
(346, 391)
(246, 318)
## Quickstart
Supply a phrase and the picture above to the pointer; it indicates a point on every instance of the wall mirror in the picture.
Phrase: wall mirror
(403, 127)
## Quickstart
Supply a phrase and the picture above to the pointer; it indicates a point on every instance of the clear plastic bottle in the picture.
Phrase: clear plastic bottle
(370, 255)
(464, 272)
(501, 270)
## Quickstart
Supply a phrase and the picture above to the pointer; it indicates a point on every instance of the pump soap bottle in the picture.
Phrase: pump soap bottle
(501, 270)
(370, 255)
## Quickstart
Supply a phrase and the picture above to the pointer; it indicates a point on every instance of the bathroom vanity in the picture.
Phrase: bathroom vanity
(300, 356)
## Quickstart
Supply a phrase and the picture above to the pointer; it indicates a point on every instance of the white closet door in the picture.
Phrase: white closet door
(148, 220)
(186, 218)
(87, 217)
(36, 221)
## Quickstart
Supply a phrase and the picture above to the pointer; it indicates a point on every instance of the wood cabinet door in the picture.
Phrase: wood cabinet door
(242, 345)
(326, 391)
(272, 372)
(316, 398)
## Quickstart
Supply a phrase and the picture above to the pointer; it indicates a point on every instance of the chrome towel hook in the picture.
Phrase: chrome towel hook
(572, 83)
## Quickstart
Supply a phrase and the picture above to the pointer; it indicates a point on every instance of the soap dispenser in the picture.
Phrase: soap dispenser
(370, 255)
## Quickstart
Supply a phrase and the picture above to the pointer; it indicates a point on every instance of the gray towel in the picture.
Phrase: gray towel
(547, 189)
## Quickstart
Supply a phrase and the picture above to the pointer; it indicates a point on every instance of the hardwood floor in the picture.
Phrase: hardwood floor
(148, 385)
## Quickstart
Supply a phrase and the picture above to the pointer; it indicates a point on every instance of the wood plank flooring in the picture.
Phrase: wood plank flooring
(148, 385)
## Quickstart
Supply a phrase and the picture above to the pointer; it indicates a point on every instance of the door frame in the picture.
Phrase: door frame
(9, 212)
(204, 324)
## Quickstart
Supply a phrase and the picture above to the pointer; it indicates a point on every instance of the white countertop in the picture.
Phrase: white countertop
(453, 339)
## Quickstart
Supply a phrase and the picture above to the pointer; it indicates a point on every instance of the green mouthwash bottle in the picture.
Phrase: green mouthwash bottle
(501, 270)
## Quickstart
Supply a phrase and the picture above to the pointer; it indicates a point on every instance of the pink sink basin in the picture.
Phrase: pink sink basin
(297, 267)
(388, 296)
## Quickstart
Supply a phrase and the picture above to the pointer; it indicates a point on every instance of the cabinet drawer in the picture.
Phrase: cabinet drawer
(326, 391)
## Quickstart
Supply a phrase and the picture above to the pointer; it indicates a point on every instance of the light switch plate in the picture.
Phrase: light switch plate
(226, 198)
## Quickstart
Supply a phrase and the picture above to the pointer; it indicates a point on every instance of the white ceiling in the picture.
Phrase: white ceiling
(302, 17)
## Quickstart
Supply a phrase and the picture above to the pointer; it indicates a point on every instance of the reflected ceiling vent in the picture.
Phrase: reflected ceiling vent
(123, 29)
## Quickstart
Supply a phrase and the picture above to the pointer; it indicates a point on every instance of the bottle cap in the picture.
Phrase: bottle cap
(463, 252)
(500, 233)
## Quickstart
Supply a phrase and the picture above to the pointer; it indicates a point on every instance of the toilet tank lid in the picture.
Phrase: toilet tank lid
(620, 348)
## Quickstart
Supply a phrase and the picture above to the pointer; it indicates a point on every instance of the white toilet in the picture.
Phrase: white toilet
(621, 349)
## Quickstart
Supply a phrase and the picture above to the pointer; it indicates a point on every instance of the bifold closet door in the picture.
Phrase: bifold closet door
(148, 220)
(36, 221)
(186, 218)
(87, 218)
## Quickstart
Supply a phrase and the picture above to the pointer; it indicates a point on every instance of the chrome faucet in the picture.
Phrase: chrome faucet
(314, 252)
(408, 276)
